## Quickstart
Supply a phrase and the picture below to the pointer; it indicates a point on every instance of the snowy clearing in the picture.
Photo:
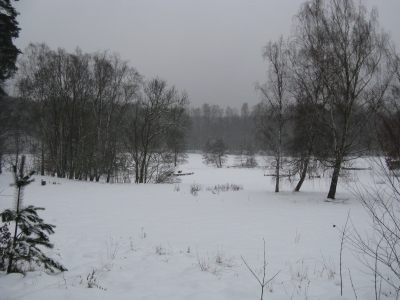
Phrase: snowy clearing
(158, 241)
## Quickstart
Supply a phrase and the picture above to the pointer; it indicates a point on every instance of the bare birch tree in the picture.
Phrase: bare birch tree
(31, 84)
(351, 55)
(276, 101)
(159, 109)
(379, 248)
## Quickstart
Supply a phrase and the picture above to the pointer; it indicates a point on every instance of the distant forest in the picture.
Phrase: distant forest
(236, 127)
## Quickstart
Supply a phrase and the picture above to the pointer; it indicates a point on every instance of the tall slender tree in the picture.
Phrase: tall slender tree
(276, 103)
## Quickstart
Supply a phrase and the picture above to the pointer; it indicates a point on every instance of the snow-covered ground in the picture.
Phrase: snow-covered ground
(158, 241)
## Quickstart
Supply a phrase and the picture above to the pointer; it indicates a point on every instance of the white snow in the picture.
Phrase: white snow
(150, 241)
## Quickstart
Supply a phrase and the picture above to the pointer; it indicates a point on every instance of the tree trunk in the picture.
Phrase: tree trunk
(277, 174)
(335, 179)
(305, 167)
(142, 169)
(108, 176)
(42, 161)
(42, 137)
(303, 174)
(279, 154)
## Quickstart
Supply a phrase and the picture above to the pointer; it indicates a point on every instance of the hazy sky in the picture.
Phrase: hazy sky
(210, 48)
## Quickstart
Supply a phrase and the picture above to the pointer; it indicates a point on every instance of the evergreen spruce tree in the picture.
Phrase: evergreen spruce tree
(5, 237)
(9, 31)
(29, 232)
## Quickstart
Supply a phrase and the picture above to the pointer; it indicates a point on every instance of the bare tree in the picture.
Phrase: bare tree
(115, 85)
(176, 139)
(308, 91)
(159, 110)
(214, 152)
(31, 84)
(15, 121)
(350, 54)
(388, 124)
(246, 157)
(379, 248)
(246, 129)
(273, 114)
(304, 140)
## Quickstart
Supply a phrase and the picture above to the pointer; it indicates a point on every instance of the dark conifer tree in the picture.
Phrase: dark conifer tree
(9, 31)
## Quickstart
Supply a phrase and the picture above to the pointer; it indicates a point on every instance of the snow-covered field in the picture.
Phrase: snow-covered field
(158, 241)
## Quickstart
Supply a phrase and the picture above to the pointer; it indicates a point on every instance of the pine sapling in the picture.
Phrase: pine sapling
(29, 232)
(5, 238)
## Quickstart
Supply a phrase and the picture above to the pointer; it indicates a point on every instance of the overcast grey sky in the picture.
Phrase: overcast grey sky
(210, 48)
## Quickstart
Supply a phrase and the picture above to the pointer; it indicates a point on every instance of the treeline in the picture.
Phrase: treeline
(236, 128)
(87, 116)
(250, 128)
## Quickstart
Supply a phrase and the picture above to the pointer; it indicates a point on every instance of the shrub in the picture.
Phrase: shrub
(195, 188)
(224, 188)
